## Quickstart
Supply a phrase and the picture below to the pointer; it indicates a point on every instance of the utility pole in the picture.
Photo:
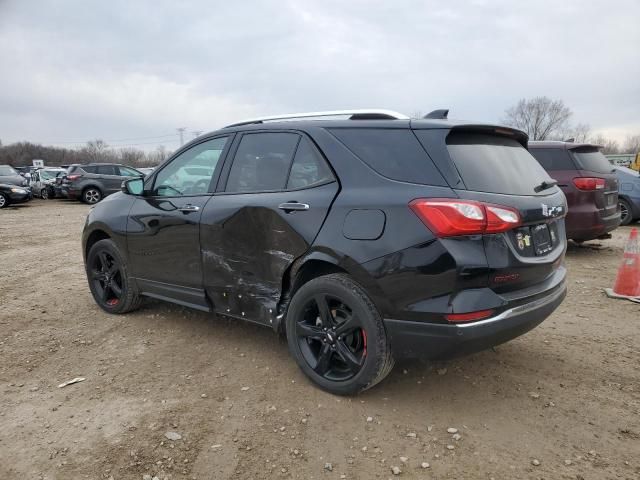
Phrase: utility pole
(181, 132)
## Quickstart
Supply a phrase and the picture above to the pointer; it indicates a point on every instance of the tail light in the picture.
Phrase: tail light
(448, 217)
(72, 178)
(589, 183)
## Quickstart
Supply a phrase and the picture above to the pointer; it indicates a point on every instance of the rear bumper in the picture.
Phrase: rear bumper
(431, 340)
(587, 225)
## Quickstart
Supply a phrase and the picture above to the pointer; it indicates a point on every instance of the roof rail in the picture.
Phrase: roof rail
(362, 114)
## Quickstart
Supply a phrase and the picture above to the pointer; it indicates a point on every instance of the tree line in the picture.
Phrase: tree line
(23, 153)
(545, 119)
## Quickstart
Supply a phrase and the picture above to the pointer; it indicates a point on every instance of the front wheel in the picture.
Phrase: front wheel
(625, 212)
(44, 193)
(109, 282)
(336, 335)
(4, 201)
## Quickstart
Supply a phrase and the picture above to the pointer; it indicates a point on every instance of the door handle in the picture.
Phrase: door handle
(189, 208)
(290, 206)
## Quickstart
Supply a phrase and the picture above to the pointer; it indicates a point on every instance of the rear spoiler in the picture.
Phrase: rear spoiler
(509, 132)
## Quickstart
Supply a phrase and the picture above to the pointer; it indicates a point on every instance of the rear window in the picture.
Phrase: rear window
(494, 164)
(393, 153)
(591, 159)
(553, 158)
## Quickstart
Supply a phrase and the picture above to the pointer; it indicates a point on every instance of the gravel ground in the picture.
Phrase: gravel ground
(562, 401)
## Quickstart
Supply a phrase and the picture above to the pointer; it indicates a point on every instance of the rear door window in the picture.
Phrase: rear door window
(553, 159)
(107, 170)
(495, 164)
(592, 159)
(262, 162)
(88, 169)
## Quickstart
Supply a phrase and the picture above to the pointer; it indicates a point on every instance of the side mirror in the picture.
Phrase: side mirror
(133, 186)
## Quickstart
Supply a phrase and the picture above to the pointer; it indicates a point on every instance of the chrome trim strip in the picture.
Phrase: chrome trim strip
(517, 310)
(332, 113)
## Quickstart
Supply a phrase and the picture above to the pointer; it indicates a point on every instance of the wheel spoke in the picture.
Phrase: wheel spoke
(324, 360)
(98, 275)
(348, 357)
(308, 331)
(115, 289)
(323, 311)
(104, 264)
(104, 294)
(352, 322)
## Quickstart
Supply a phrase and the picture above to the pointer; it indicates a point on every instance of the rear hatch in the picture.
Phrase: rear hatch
(495, 168)
(592, 163)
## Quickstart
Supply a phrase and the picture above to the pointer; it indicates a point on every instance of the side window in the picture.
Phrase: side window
(553, 158)
(262, 162)
(106, 170)
(308, 167)
(89, 169)
(129, 172)
(190, 173)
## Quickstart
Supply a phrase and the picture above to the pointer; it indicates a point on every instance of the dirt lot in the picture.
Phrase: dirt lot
(560, 402)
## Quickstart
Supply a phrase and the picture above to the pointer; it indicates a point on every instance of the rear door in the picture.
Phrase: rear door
(273, 198)
(108, 178)
(497, 169)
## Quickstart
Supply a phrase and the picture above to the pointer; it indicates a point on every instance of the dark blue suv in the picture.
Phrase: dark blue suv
(360, 235)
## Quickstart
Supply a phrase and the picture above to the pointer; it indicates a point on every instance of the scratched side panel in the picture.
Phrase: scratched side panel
(248, 243)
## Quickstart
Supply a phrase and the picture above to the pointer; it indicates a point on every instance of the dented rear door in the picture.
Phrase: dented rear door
(249, 239)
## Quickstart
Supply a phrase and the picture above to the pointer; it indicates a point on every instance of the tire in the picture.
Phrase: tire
(107, 275)
(91, 195)
(327, 315)
(44, 193)
(4, 201)
(51, 193)
(626, 214)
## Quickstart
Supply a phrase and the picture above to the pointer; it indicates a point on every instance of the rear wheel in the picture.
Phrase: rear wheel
(4, 201)
(336, 335)
(110, 284)
(625, 212)
(91, 195)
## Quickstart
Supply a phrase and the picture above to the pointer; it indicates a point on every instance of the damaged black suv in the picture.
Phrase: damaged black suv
(363, 236)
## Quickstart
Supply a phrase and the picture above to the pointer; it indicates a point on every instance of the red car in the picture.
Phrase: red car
(588, 181)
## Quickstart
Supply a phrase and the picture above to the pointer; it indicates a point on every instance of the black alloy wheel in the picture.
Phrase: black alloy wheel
(331, 338)
(336, 335)
(108, 279)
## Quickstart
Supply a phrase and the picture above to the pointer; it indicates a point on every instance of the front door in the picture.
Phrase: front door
(163, 230)
(277, 194)
(109, 178)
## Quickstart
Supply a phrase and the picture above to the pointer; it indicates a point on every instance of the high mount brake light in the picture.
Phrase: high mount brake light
(448, 217)
(589, 183)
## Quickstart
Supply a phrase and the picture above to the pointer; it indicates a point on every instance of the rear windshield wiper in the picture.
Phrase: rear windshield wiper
(545, 185)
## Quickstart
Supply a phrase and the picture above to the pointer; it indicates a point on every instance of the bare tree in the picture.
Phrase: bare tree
(580, 133)
(632, 144)
(540, 117)
(608, 145)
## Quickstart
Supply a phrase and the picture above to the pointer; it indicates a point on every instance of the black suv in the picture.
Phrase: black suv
(362, 239)
(92, 182)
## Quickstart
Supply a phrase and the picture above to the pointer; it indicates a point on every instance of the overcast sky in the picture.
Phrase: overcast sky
(130, 72)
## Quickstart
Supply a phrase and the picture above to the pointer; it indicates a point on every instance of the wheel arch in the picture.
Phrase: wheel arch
(94, 237)
(318, 263)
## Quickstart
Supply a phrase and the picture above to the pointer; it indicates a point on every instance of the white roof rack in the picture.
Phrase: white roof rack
(362, 114)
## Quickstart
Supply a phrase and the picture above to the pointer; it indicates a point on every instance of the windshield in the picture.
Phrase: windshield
(7, 170)
(495, 164)
(592, 159)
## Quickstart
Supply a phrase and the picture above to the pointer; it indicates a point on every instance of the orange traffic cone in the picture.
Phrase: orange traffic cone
(628, 279)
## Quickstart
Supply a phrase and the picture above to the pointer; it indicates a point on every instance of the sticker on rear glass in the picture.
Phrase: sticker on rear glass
(523, 241)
